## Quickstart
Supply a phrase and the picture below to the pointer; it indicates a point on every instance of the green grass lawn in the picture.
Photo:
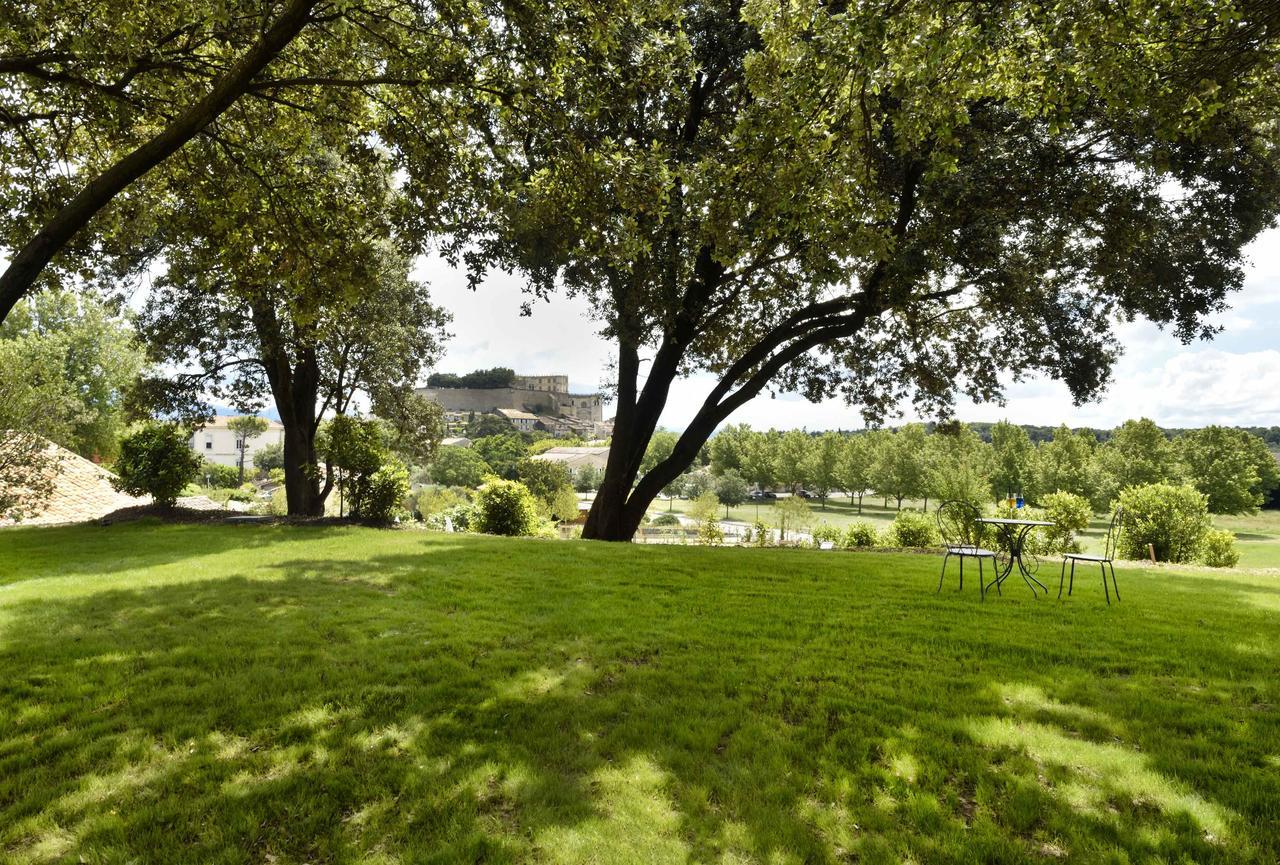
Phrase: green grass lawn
(262, 694)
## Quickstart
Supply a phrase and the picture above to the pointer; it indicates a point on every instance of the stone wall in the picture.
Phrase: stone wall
(583, 406)
(482, 400)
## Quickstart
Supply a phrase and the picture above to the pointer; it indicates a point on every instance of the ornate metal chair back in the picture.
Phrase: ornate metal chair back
(957, 523)
(1113, 533)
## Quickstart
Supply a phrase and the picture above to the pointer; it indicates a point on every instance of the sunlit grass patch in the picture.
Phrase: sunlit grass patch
(634, 821)
(1099, 773)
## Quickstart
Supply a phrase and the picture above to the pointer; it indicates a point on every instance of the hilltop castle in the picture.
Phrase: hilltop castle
(529, 402)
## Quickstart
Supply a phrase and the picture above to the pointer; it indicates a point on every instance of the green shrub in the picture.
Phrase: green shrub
(760, 534)
(433, 500)
(706, 510)
(379, 497)
(219, 477)
(793, 515)
(156, 461)
(913, 529)
(860, 534)
(1070, 515)
(665, 520)
(710, 533)
(460, 516)
(505, 507)
(564, 505)
(1218, 549)
(244, 493)
(1174, 519)
(826, 532)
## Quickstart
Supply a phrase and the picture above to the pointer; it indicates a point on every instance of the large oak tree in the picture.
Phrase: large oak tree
(878, 200)
(283, 277)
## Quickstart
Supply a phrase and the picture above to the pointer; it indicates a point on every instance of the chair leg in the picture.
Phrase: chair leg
(982, 581)
(1071, 584)
(1114, 584)
(943, 575)
(1062, 578)
(995, 567)
(1105, 588)
(962, 573)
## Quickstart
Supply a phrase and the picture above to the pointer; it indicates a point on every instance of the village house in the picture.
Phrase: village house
(216, 443)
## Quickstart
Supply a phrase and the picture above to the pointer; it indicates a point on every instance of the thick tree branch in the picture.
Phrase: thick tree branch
(30, 261)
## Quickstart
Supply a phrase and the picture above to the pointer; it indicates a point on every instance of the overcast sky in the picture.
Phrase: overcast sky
(1234, 380)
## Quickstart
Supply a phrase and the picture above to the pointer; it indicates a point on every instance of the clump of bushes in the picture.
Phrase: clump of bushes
(710, 533)
(219, 477)
(860, 534)
(1173, 519)
(705, 509)
(246, 493)
(379, 497)
(667, 519)
(825, 532)
(913, 529)
(759, 534)
(459, 517)
(1070, 515)
(1218, 549)
(156, 461)
(505, 507)
(793, 515)
(433, 500)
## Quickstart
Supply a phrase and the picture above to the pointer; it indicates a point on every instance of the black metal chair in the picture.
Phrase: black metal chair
(958, 525)
(1104, 561)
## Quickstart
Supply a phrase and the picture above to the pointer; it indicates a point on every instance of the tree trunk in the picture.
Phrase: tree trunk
(301, 483)
(295, 385)
(859, 505)
(32, 258)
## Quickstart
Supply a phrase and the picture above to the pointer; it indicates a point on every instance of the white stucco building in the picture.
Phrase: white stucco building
(216, 443)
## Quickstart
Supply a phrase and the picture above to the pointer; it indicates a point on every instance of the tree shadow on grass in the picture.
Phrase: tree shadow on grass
(487, 707)
(42, 552)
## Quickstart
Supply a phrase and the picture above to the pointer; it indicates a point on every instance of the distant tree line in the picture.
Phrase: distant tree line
(482, 379)
(1039, 433)
(1233, 467)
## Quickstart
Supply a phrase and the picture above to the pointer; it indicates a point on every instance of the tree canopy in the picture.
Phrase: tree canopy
(1231, 467)
(880, 201)
(97, 98)
(295, 288)
(70, 359)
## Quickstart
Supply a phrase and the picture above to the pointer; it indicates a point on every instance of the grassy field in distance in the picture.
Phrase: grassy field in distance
(1257, 535)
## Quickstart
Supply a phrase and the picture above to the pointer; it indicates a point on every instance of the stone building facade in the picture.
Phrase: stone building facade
(546, 395)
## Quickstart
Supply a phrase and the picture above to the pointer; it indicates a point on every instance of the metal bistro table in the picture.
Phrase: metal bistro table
(1015, 537)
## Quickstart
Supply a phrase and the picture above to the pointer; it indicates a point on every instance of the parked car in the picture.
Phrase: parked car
(805, 494)
(763, 495)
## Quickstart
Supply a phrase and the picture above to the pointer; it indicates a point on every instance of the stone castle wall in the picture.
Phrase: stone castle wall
(492, 399)
(587, 407)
